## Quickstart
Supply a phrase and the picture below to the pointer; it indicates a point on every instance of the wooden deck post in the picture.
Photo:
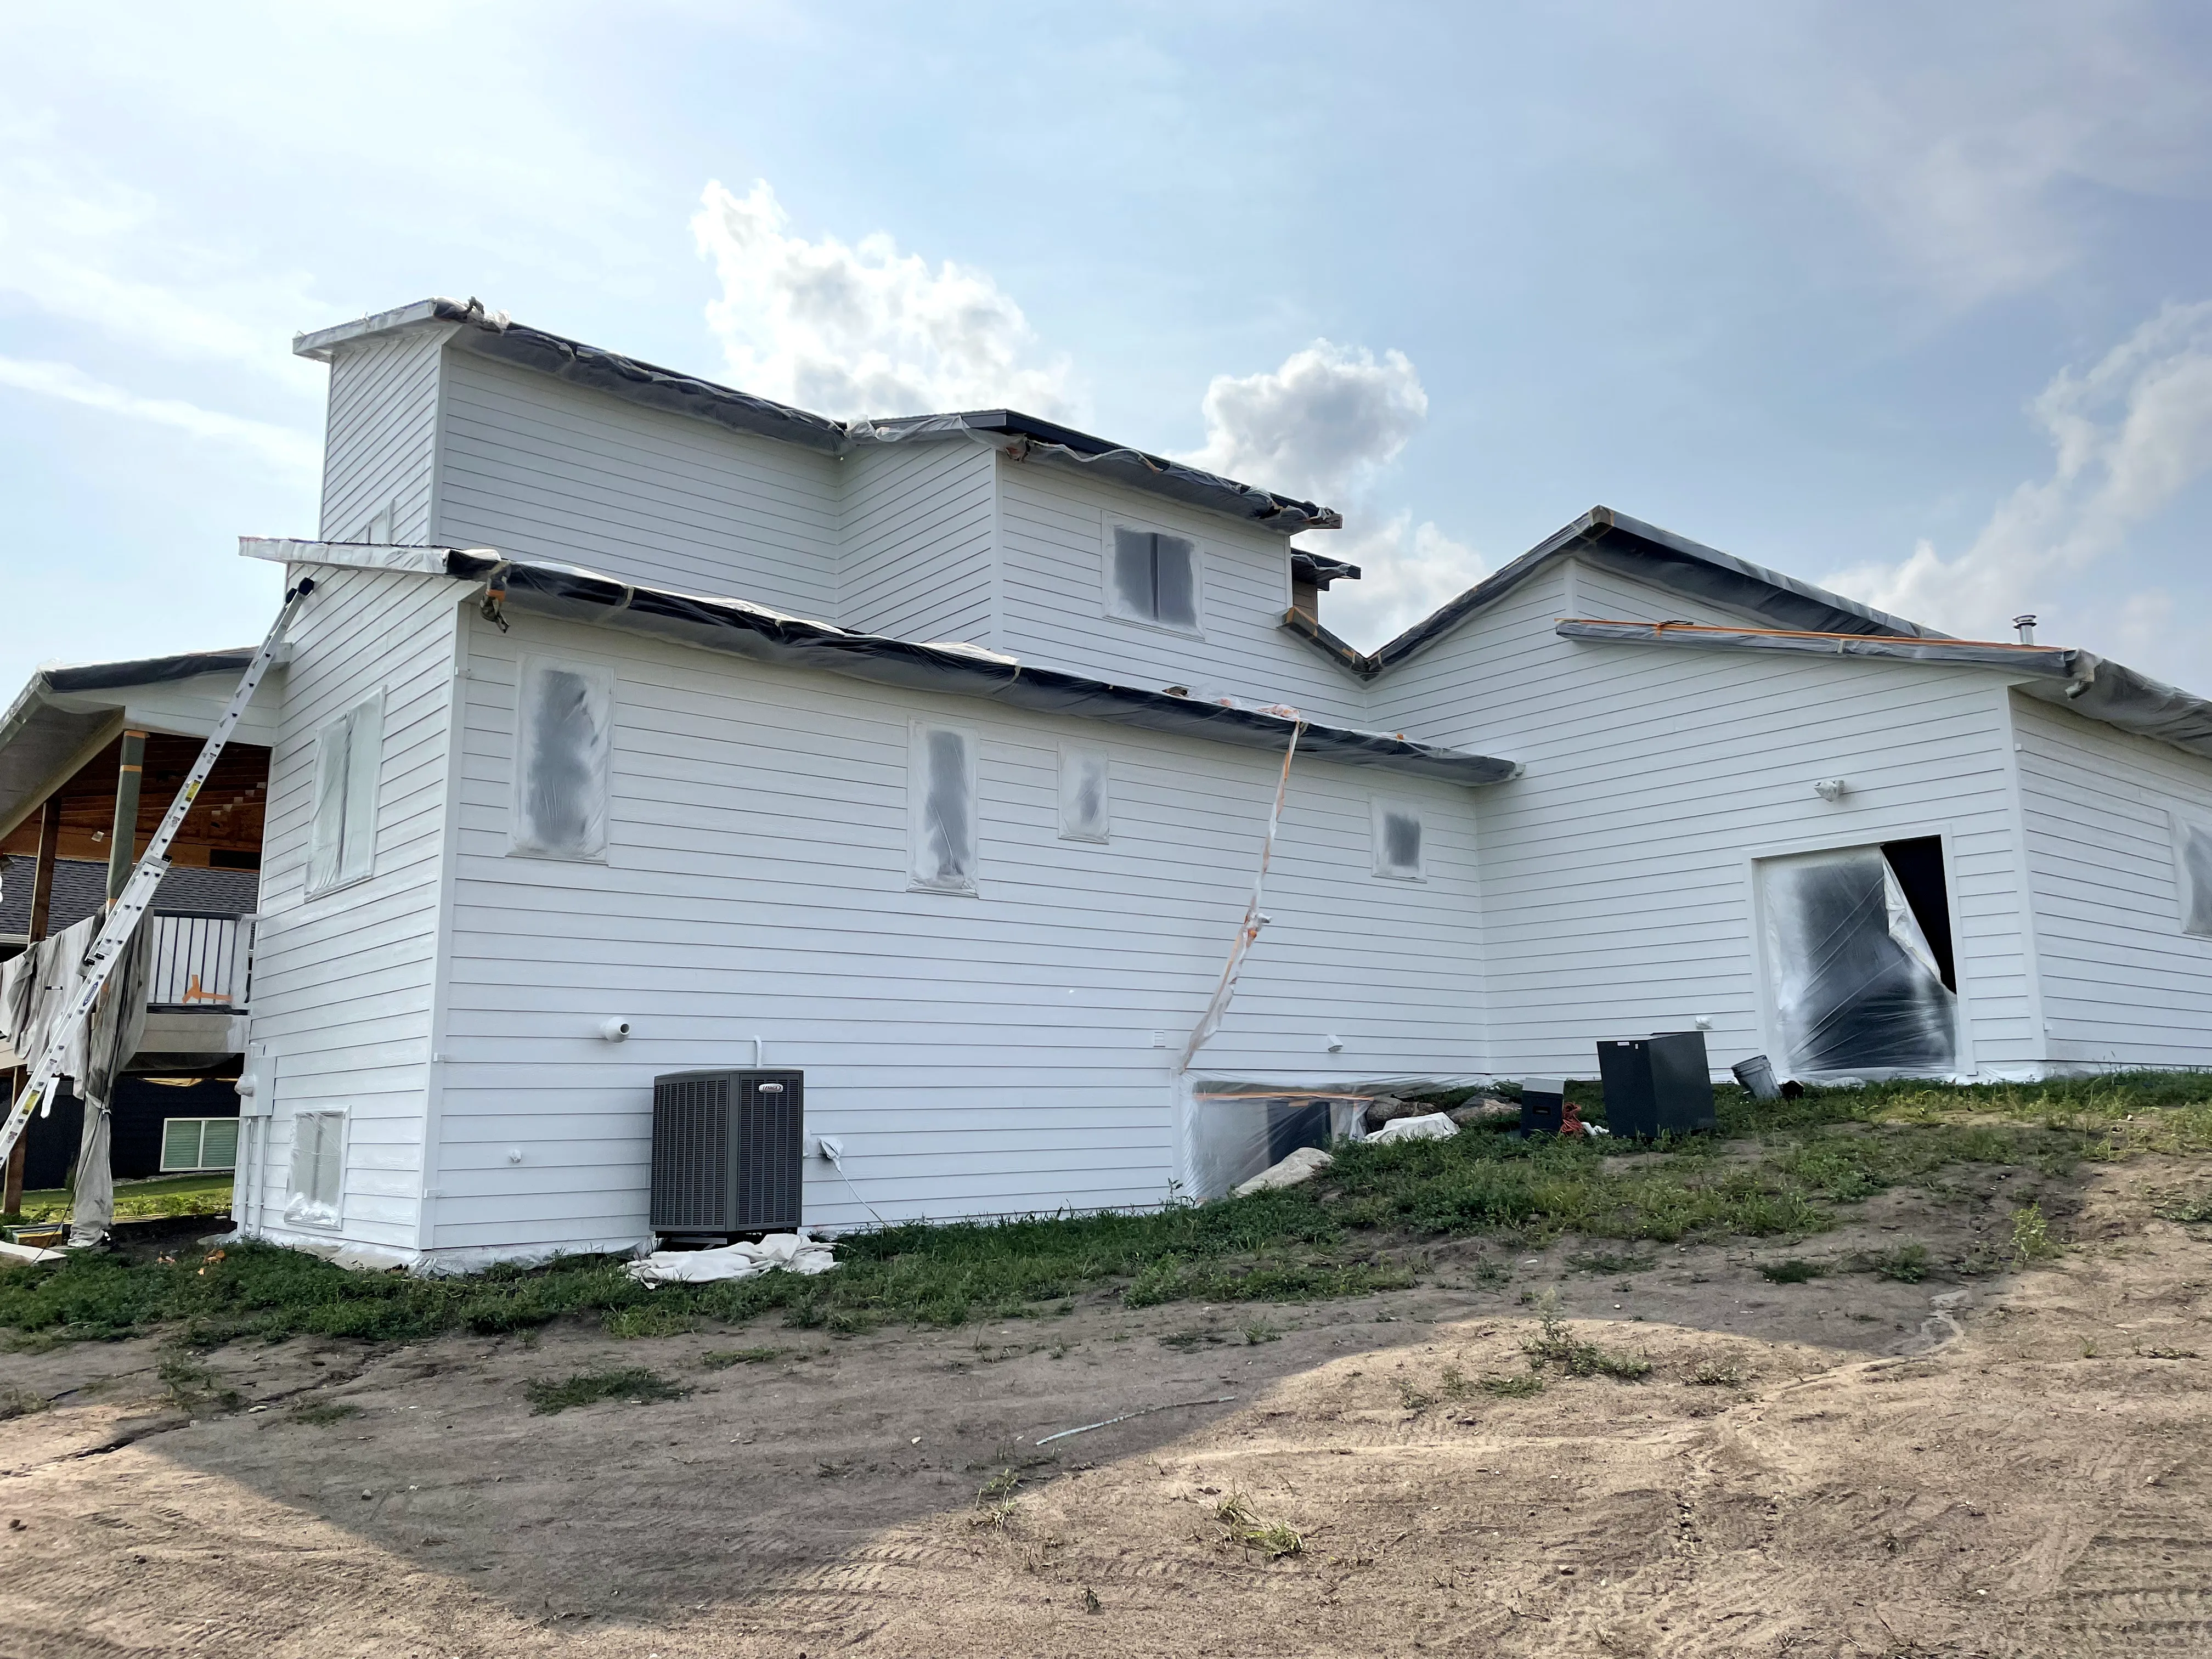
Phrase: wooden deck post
(122, 848)
(42, 904)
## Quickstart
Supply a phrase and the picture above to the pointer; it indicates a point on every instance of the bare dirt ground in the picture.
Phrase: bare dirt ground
(2014, 1466)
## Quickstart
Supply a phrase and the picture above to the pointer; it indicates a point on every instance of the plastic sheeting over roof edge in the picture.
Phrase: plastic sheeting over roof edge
(1613, 541)
(2094, 687)
(2053, 661)
(771, 637)
(1162, 477)
(494, 334)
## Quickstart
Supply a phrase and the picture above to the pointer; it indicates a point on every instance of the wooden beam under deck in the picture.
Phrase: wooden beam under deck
(228, 817)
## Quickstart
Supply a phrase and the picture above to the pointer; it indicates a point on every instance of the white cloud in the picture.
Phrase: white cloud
(2129, 435)
(287, 450)
(1319, 427)
(1323, 426)
(1407, 570)
(864, 329)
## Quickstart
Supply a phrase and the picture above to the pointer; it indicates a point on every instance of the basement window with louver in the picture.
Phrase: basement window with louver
(342, 839)
(1153, 577)
(941, 809)
(198, 1143)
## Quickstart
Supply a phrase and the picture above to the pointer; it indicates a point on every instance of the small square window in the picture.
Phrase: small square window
(1153, 577)
(941, 809)
(1397, 841)
(2193, 867)
(1086, 799)
(563, 738)
(317, 1169)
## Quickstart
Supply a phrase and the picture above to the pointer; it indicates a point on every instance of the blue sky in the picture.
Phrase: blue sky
(1911, 299)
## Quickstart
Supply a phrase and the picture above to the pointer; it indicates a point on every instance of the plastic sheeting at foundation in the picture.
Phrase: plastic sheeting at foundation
(1232, 1140)
(1857, 989)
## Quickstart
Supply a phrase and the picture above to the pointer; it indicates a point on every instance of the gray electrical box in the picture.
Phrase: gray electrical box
(1659, 1084)
(727, 1152)
(1543, 1105)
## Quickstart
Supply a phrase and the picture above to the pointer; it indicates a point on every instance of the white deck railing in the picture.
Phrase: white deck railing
(202, 963)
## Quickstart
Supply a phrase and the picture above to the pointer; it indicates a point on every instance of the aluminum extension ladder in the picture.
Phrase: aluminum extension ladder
(137, 895)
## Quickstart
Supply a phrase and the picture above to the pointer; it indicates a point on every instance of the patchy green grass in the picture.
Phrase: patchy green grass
(138, 1200)
(633, 1383)
(1792, 1270)
(1556, 1347)
(1780, 1170)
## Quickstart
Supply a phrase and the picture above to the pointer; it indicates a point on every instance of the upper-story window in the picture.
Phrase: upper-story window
(342, 834)
(1153, 577)
(941, 809)
(1398, 841)
(563, 733)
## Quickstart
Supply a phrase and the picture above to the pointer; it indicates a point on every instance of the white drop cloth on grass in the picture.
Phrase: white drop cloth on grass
(1435, 1125)
(739, 1261)
(1304, 1164)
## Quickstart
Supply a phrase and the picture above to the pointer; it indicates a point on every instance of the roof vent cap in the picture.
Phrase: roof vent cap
(2026, 624)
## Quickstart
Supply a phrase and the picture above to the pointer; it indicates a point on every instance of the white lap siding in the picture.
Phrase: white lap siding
(2121, 984)
(342, 983)
(976, 1054)
(541, 469)
(1616, 874)
(920, 523)
(1053, 598)
(379, 444)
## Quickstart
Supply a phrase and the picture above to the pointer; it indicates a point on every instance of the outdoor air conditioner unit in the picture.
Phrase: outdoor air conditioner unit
(727, 1151)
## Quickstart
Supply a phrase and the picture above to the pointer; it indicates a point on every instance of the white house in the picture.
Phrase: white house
(935, 758)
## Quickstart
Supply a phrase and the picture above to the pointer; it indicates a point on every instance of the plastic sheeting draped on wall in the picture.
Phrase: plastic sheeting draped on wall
(1857, 987)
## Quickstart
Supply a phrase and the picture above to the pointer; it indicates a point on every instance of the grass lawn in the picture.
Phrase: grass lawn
(1783, 1169)
(140, 1200)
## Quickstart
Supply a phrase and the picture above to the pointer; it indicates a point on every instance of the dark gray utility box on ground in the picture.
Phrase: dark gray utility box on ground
(1543, 1104)
(1659, 1084)
(728, 1149)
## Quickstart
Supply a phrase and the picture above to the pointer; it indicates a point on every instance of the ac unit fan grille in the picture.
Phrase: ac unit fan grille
(727, 1152)
(691, 1154)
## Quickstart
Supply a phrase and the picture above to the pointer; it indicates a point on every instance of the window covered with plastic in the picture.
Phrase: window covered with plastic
(1859, 988)
(564, 724)
(1153, 577)
(342, 836)
(2192, 865)
(1233, 1139)
(1086, 801)
(317, 1168)
(941, 806)
(1397, 840)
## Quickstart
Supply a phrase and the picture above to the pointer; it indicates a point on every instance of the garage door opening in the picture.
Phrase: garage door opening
(1859, 959)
